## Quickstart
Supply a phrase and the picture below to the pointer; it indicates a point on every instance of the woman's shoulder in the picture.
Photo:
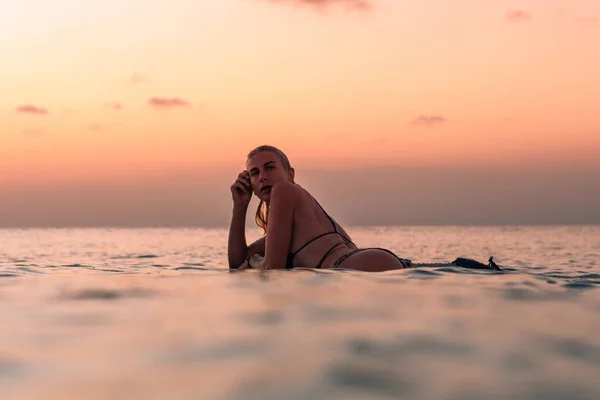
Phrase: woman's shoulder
(290, 191)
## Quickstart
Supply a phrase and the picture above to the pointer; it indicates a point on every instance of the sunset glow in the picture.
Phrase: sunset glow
(100, 90)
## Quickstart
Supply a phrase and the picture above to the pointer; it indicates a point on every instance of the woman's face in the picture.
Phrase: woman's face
(266, 170)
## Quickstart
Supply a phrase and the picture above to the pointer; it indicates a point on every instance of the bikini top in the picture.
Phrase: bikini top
(291, 256)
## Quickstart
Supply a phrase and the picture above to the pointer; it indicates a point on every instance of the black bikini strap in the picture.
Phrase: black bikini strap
(328, 217)
(335, 230)
(319, 265)
(333, 223)
(312, 240)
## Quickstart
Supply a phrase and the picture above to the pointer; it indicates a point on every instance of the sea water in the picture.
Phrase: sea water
(155, 314)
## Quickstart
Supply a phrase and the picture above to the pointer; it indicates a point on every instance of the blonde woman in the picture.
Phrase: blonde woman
(298, 232)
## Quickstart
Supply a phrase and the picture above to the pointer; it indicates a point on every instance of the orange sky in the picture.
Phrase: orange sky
(107, 90)
(506, 79)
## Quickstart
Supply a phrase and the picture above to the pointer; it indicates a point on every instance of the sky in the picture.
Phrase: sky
(142, 112)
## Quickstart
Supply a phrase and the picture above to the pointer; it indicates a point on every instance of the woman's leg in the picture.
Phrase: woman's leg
(371, 260)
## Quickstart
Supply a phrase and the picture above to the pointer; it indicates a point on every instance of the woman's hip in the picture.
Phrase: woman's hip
(371, 259)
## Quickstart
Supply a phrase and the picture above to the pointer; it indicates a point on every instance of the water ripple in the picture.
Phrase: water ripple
(9, 368)
(409, 346)
(519, 293)
(576, 349)
(105, 294)
(580, 285)
(190, 268)
(370, 378)
(193, 353)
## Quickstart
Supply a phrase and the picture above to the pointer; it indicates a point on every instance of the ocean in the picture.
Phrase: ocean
(155, 314)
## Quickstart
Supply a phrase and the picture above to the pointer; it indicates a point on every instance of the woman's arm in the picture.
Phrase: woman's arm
(241, 193)
(237, 250)
(236, 245)
(279, 229)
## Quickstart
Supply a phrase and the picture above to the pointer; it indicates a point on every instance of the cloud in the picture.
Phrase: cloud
(30, 109)
(115, 106)
(138, 78)
(428, 120)
(518, 16)
(167, 102)
(361, 5)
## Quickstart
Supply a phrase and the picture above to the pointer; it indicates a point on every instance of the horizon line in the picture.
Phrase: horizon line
(226, 226)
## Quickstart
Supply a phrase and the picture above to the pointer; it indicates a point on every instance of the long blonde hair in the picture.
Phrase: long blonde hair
(262, 212)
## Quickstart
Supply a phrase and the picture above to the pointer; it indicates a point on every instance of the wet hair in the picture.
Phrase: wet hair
(262, 212)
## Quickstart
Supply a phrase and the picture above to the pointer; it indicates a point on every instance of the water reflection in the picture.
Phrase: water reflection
(156, 315)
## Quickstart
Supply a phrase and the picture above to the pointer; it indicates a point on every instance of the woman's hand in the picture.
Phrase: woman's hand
(244, 265)
(241, 190)
(256, 261)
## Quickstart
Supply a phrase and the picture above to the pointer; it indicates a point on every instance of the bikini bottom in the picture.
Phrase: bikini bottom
(405, 263)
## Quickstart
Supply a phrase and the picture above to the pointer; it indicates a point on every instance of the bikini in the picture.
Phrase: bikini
(405, 263)
(290, 258)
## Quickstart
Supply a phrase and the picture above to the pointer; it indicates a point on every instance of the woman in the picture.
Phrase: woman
(298, 231)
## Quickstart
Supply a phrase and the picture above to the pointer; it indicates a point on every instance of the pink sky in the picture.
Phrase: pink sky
(105, 91)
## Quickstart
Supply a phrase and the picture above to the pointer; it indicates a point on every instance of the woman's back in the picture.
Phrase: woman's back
(315, 235)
